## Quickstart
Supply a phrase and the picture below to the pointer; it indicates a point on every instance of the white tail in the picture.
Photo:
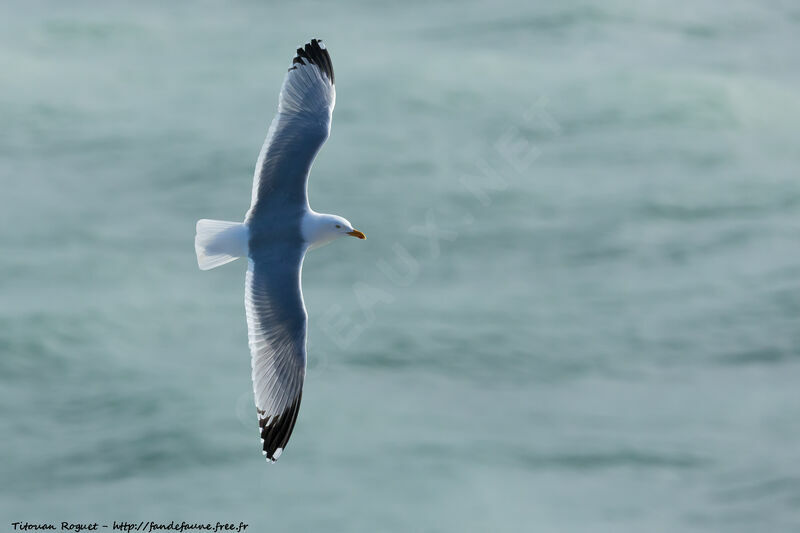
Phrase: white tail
(218, 242)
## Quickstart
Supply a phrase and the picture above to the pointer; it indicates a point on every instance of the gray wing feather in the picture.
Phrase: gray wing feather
(297, 132)
(276, 328)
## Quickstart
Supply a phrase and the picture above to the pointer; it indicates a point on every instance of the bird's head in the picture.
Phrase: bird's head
(323, 229)
(341, 226)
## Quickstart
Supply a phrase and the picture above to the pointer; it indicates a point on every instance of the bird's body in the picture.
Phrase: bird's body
(278, 230)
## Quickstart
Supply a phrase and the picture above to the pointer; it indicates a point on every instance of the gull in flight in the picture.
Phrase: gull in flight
(277, 231)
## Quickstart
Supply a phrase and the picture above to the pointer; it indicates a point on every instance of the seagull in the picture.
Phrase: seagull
(278, 230)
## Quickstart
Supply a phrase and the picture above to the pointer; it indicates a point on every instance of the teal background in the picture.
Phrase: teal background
(602, 336)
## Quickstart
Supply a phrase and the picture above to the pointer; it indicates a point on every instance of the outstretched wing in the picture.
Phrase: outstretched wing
(276, 329)
(297, 132)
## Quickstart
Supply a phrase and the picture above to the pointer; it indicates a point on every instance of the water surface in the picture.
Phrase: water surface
(577, 309)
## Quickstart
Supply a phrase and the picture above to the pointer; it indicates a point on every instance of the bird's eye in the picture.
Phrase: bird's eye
(338, 226)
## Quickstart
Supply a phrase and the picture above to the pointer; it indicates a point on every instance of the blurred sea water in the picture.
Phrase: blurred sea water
(577, 308)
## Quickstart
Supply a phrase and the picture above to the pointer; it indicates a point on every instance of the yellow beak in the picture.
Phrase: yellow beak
(356, 233)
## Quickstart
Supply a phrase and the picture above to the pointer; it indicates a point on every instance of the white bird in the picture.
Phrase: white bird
(277, 231)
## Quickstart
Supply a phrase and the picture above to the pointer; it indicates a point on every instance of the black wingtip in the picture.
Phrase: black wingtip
(276, 430)
(315, 53)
